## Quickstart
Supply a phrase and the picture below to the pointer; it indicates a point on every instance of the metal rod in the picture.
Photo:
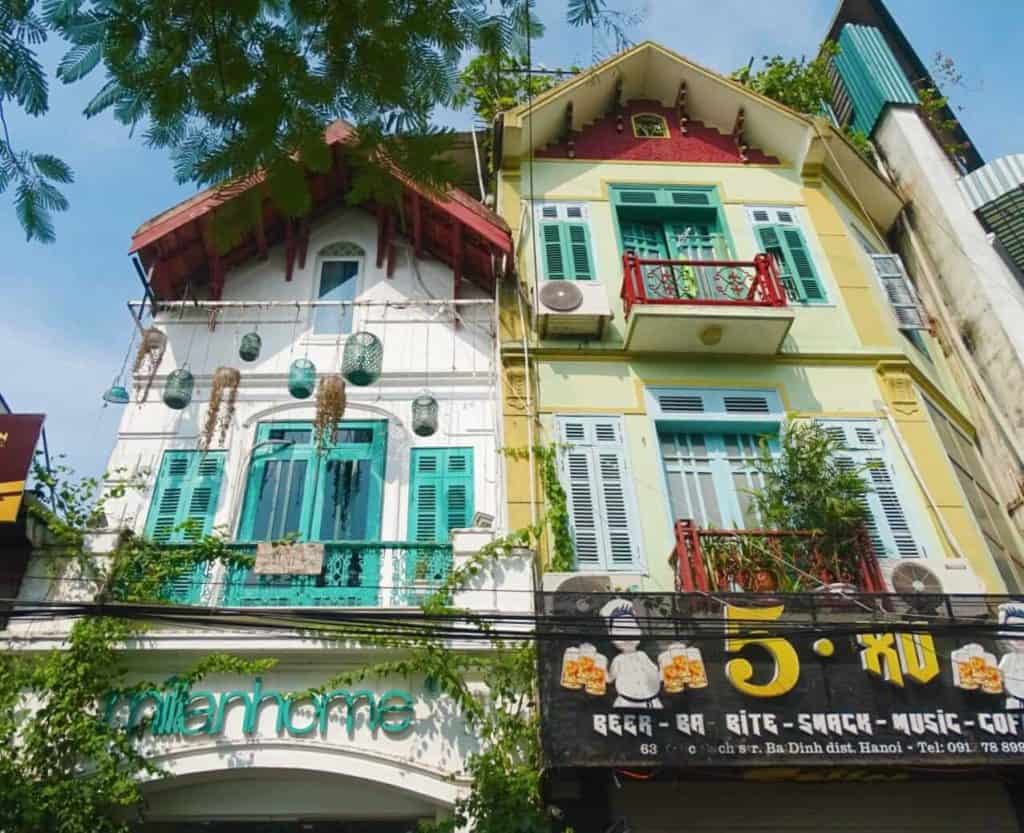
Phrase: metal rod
(294, 304)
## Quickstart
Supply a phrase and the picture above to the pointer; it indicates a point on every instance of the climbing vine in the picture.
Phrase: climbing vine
(64, 770)
(556, 518)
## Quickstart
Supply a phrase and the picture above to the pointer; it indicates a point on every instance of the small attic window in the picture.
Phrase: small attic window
(650, 126)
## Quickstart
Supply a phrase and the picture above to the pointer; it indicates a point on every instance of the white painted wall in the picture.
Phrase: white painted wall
(975, 283)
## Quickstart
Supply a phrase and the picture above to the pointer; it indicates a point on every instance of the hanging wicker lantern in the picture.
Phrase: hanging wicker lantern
(362, 359)
(116, 395)
(424, 415)
(302, 378)
(249, 348)
(178, 391)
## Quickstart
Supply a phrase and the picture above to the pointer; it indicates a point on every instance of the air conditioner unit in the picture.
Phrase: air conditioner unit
(591, 582)
(916, 587)
(572, 308)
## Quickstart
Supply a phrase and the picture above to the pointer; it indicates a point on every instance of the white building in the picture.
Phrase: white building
(393, 508)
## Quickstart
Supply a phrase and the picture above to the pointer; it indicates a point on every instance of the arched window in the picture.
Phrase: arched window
(650, 126)
(339, 265)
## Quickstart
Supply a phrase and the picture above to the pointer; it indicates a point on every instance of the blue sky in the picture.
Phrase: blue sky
(64, 328)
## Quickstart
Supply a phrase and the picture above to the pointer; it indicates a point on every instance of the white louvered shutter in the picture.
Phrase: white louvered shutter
(597, 481)
(900, 292)
(888, 518)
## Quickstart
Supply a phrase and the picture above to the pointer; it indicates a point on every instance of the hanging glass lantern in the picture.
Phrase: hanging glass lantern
(424, 415)
(362, 359)
(116, 395)
(178, 392)
(249, 349)
(302, 378)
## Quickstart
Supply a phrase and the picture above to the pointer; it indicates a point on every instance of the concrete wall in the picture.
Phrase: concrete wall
(984, 303)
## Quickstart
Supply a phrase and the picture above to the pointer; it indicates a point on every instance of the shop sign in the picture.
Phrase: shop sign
(177, 710)
(690, 680)
(19, 434)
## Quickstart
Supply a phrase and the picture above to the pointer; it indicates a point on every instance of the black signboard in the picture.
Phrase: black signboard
(745, 680)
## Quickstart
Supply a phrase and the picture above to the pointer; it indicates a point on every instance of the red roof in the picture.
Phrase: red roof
(454, 227)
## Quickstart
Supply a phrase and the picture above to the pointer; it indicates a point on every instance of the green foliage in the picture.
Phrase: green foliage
(68, 770)
(33, 176)
(233, 89)
(556, 518)
(493, 83)
(861, 143)
(71, 769)
(799, 84)
(808, 485)
(934, 106)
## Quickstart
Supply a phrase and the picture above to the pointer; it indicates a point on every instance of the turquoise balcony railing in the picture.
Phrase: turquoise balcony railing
(355, 574)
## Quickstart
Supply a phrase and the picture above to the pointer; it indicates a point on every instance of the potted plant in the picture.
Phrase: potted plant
(808, 485)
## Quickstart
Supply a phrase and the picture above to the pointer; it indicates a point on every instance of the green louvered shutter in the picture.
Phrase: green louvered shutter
(811, 288)
(786, 244)
(579, 251)
(565, 240)
(554, 252)
(441, 493)
(187, 489)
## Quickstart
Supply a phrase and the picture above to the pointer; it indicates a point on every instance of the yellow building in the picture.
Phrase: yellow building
(699, 266)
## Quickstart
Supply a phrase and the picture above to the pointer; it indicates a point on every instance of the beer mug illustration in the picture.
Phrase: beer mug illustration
(698, 674)
(968, 667)
(992, 680)
(596, 679)
(674, 669)
(571, 669)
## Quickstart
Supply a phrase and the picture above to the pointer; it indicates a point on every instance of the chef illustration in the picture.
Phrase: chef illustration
(635, 676)
(1011, 664)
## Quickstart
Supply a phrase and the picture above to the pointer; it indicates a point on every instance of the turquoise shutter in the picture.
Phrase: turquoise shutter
(788, 249)
(579, 250)
(597, 481)
(887, 512)
(441, 493)
(554, 252)
(187, 489)
(811, 287)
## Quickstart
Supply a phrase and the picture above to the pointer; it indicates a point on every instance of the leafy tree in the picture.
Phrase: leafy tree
(33, 176)
(233, 88)
(800, 84)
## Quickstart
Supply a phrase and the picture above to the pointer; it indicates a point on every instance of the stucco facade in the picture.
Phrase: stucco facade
(844, 356)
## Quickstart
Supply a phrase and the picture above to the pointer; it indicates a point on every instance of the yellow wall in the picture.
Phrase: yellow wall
(839, 360)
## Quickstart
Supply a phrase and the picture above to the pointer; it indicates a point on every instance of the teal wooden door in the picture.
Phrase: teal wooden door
(696, 241)
(647, 241)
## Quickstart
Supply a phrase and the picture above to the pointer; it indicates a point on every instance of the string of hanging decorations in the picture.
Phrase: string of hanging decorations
(361, 364)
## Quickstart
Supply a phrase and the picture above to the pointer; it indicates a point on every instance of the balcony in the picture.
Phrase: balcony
(354, 574)
(708, 306)
(770, 561)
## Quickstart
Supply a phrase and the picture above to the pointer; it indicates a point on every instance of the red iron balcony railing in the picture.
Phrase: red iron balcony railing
(771, 561)
(735, 283)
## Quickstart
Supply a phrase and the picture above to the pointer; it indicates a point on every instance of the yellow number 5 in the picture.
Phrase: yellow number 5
(740, 671)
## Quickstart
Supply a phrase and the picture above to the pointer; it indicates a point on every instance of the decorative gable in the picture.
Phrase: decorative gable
(612, 138)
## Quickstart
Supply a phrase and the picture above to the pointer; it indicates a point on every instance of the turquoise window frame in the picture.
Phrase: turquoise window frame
(665, 210)
(311, 513)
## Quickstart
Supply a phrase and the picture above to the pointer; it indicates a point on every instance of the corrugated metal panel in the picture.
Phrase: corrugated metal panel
(990, 182)
(878, 806)
(871, 75)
